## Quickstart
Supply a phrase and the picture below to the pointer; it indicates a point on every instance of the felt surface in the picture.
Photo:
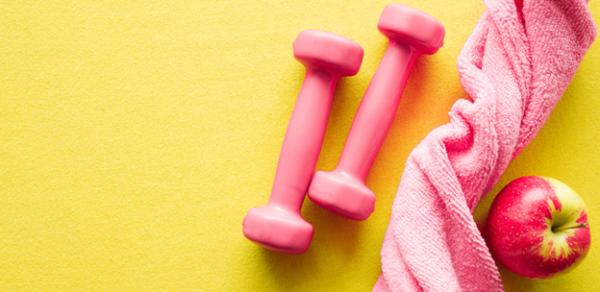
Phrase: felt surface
(136, 135)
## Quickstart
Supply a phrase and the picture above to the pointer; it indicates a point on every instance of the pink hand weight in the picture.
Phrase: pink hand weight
(411, 33)
(279, 225)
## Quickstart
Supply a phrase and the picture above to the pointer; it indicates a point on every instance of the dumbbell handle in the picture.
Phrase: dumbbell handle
(303, 139)
(377, 110)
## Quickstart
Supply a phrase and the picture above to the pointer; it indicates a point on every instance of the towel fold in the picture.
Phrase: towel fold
(514, 67)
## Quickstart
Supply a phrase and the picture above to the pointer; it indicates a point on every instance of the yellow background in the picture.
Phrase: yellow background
(135, 135)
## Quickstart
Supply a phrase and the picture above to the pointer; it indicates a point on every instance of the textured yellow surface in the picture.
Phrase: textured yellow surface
(135, 135)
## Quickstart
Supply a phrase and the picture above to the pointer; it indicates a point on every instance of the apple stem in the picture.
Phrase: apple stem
(563, 228)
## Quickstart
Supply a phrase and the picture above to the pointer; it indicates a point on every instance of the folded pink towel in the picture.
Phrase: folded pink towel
(515, 67)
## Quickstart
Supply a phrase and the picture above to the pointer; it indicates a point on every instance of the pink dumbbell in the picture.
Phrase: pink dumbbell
(411, 33)
(278, 225)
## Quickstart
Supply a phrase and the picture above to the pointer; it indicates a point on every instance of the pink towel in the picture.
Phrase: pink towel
(515, 67)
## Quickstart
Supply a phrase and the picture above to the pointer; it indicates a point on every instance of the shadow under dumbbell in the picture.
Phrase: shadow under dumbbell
(334, 244)
(333, 233)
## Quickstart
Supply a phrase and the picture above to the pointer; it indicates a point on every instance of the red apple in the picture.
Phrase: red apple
(537, 227)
